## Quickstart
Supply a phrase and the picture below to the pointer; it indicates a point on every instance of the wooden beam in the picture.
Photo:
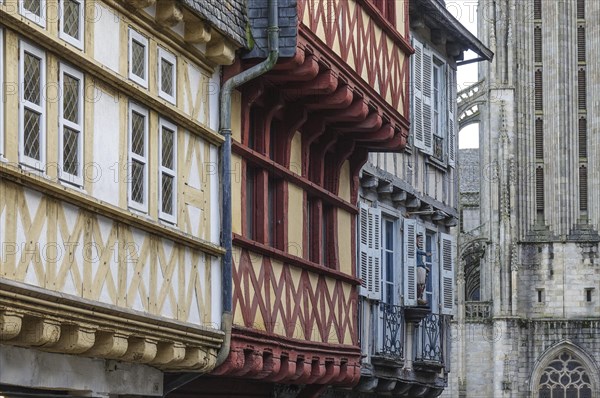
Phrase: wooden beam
(399, 196)
(369, 182)
(220, 51)
(140, 3)
(385, 187)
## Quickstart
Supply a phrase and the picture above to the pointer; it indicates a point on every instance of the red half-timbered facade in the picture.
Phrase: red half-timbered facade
(301, 134)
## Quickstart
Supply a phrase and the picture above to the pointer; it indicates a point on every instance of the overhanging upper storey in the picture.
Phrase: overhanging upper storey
(446, 28)
(359, 45)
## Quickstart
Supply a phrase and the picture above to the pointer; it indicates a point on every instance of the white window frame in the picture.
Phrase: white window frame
(38, 164)
(37, 19)
(143, 207)
(75, 41)
(1, 91)
(62, 122)
(171, 218)
(169, 57)
(134, 35)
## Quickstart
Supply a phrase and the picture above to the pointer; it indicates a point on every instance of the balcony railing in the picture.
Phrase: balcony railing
(393, 331)
(431, 339)
(478, 311)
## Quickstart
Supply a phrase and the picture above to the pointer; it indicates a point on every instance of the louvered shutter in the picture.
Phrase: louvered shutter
(451, 115)
(417, 115)
(375, 255)
(369, 253)
(427, 101)
(447, 259)
(410, 263)
(363, 248)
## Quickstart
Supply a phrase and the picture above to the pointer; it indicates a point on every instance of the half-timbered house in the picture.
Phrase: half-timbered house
(408, 204)
(301, 134)
(109, 195)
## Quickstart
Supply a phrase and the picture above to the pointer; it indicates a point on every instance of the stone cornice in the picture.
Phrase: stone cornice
(56, 322)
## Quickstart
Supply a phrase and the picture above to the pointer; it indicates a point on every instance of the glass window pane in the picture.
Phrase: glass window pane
(167, 148)
(70, 151)
(137, 182)
(71, 20)
(166, 76)
(137, 133)
(71, 98)
(33, 6)
(138, 59)
(32, 78)
(167, 194)
(31, 129)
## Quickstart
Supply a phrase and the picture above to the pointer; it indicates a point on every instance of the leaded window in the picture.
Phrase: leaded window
(71, 125)
(138, 58)
(167, 173)
(32, 133)
(34, 10)
(71, 22)
(565, 377)
(167, 72)
(138, 158)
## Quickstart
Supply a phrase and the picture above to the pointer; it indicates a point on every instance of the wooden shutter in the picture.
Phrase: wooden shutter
(410, 263)
(417, 115)
(451, 90)
(369, 254)
(427, 101)
(580, 9)
(447, 260)
(581, 43)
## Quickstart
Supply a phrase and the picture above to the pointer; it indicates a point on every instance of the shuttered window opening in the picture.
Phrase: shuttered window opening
(539, 138)
(537, 9)
(581, 89)
(581, 43)
(539, 95)
(448, 254)
(410, 263)
(537, 43)
(580, 9)
(583, 137)
(369, 264)
(539, 189)
(583, 188)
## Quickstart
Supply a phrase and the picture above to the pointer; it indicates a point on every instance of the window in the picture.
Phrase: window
(167, 182)
(138, 58)
(540, 295)
(32, 107)
(387, 8)
(433, 102)
(167, 72)
(389, 280)
(138, 158)
(71, 22)
(71, 125)
(250, 201)
(565, 377)
(589, 294)
(34, 10)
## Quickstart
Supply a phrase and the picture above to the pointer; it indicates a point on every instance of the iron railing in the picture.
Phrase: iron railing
(393, 331)
(431, 337)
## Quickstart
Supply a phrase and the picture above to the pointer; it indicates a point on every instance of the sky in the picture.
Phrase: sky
(465, 11)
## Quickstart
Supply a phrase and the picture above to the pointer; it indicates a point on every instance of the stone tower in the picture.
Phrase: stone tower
(528, 320)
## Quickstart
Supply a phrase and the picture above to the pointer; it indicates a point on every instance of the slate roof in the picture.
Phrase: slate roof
(288, 28)
(227, 16)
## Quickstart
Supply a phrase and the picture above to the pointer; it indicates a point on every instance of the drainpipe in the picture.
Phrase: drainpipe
(226, 234)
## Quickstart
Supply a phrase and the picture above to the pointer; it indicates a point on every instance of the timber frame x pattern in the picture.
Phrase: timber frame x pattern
(343, 105)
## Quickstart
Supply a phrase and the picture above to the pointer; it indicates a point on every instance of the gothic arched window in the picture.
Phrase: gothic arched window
(565, 377)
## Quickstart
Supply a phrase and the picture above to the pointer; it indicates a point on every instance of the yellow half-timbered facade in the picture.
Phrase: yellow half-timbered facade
(109, 191)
